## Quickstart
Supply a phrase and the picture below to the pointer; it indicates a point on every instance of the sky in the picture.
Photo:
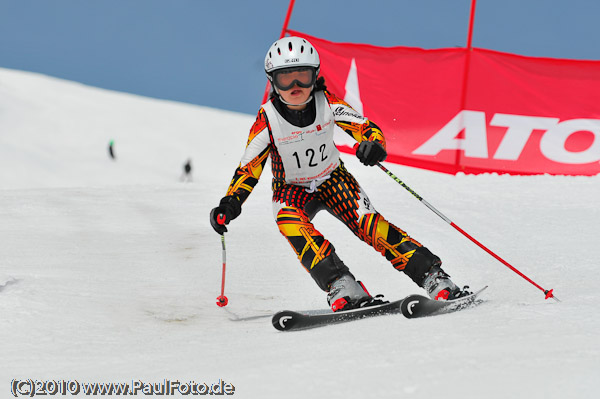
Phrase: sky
(211, 53)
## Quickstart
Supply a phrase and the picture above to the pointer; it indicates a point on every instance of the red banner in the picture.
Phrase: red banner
(454, 110)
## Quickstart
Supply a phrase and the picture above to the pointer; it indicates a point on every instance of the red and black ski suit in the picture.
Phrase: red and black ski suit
(309, 176)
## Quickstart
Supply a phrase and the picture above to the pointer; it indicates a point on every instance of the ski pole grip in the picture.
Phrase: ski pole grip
(221, 218)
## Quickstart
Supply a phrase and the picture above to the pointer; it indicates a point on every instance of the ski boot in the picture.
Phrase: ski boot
(346, 293)
(439, 287)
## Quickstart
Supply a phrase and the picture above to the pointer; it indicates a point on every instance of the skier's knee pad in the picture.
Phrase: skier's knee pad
(328, 270)
(419, 264)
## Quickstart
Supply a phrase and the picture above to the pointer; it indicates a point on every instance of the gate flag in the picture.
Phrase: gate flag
(454, 110)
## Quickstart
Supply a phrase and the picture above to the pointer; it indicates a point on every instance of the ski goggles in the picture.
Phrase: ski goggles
(287, 78)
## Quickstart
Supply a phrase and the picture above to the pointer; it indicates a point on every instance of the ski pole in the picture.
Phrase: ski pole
(548, 293)
(222, 299)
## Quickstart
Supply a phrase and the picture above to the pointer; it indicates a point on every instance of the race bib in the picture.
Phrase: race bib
(308, 153)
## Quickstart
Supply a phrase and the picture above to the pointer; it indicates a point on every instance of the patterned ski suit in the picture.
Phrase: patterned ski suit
(309, 176)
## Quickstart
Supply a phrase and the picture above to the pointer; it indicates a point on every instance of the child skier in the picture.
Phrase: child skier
(295, 127)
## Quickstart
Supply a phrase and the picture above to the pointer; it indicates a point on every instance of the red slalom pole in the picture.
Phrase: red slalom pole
(548, 293)
(288, 15)
(471, 23)
(222, 299)
(466, 71)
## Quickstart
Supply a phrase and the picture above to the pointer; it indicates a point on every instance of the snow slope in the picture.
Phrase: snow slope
(109, 270)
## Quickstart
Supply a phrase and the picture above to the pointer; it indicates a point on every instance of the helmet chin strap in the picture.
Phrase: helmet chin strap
(286, 103)
(305, 102)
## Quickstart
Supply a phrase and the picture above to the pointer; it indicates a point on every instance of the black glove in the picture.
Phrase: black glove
(371, 152)
(229, 208)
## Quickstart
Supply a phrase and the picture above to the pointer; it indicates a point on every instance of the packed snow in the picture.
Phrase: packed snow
(109, 268)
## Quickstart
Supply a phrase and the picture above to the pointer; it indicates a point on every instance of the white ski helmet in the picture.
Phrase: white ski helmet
(290, 52)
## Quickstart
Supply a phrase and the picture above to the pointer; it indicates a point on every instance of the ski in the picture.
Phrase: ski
(288, 320)
(414, 306)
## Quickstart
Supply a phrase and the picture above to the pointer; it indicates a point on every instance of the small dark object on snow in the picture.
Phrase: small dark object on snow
(111, 150)
(187, 171)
